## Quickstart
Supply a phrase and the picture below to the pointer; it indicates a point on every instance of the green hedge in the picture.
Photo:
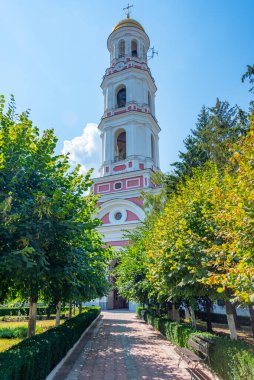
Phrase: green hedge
(13, 332)
(17, 311)
(35, 357)
(230, 360)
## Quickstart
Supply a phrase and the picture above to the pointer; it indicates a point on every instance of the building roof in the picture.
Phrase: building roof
(128, 22)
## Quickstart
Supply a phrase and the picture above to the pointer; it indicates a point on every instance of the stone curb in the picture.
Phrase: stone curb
(59, 365)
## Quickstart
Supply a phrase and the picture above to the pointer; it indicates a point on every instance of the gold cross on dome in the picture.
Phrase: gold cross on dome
(127, 10)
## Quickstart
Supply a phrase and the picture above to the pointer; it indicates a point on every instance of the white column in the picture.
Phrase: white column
(111, 97)
(130, 141)
(127, 47)
(103, 147)
(108, 136)
(157, 151)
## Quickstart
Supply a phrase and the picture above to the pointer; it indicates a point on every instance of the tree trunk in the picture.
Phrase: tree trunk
(80, 308)
(175, 313)
(236, 319)
(208, 306)
(187, 313)
(74, 308)
(70, 310)
(58, 313)
(193, 318)
(32, 316)
(168, 309)
(231, 321)
(251, 311)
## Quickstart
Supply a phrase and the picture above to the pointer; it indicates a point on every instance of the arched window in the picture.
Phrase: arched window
(121, 97)
(152, 147)
(134, 48)
(120, 145)
(121, 49)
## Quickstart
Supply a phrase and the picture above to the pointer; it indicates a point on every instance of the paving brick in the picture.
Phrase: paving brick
(121, 347)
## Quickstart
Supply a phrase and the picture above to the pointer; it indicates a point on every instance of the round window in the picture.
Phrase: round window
(118, 185)
(118, 216)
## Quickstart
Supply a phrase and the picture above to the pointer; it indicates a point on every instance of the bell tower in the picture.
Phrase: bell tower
(129, 133)
(129, 129)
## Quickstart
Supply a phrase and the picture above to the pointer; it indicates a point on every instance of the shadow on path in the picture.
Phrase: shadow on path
(121, 347)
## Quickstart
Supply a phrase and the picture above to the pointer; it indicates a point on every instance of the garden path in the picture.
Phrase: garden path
(122, 347)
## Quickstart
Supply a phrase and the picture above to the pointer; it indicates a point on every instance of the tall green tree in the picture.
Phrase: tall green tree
(47, 228)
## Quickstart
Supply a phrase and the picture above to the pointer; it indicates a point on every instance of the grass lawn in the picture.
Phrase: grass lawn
(7, 343)
(41, 326)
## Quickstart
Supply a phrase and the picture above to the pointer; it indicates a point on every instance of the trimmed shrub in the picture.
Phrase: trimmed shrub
(13, 332)
(35, 357)
(231, 360)
(17, 311)
(139, 311)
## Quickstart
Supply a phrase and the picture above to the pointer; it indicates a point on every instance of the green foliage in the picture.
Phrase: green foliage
(35, 357)
(11, 333)
(19, 311)
(216, 129)
(49, 245)
(140, 311)
(131, 279)
(249, 74)
(231, 360)
(177, 333)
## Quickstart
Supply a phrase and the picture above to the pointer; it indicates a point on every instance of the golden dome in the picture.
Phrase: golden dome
(127, 22)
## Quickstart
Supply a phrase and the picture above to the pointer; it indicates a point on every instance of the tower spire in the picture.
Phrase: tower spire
(127, 10)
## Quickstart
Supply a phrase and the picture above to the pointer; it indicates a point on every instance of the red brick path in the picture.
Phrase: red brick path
(121, 347)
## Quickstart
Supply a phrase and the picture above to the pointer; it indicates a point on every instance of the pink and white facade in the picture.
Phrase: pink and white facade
(129, 134)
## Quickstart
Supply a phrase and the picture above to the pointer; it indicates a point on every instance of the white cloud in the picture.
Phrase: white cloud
(85, 149)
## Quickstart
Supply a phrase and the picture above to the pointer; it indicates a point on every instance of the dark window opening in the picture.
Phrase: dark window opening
(121, 98)
(121, 147)
(118, 216)
(118, 185)
(134, 49)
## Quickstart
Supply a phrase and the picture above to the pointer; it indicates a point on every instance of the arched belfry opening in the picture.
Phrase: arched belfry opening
(153, 148)
(121, 49)
(120, 145)
(134, 48)
(121, 97)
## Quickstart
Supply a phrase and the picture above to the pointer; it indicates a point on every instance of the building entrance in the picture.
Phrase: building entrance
(118, 301)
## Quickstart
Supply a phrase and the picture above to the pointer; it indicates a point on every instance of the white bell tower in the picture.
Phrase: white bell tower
(130, 135)
(129, 129)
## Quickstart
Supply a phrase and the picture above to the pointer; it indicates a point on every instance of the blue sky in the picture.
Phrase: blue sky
(53, 56)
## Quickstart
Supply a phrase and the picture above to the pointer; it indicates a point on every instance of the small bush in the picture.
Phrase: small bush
(231, 360)
(13, 332)
(35, 357)
(139, 311)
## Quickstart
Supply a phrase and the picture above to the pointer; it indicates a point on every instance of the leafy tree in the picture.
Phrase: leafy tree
(249, 74)
(47, 229)
(234, 201)
(132, 268)
(216, 129)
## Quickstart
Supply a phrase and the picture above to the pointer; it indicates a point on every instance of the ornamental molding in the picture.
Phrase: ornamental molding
(120, 205)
